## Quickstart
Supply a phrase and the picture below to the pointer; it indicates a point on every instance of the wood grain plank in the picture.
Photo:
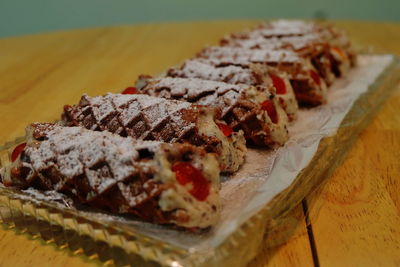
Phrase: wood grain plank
(288, 244)
(356, 215)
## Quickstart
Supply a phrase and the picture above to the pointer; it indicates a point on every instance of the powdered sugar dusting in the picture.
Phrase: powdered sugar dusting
(238, 55)
(257, 40)
(241, 99)
(43, 157)
(288, 28)
(194, 88)
(291, 24)
(153, 108)
(75, 151)
(139, 116)
(202, 69)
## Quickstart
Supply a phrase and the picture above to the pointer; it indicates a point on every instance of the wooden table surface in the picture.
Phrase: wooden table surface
(354, 218)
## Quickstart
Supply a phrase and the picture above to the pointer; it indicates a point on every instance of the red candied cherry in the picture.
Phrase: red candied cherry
(314, 75)
(130, 91)
(269, 106)
(225, 129)
(279, 84)
(186, 173)
(17, 151)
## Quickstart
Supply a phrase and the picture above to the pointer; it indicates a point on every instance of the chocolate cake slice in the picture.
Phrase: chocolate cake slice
(158, 182)
(150, 118)
(254, 74)
(252, 109)
(310, 89)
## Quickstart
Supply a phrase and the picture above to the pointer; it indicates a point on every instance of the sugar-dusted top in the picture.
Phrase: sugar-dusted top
(240, 56)
(140, 116)
(226, 97)
(288, 28)
(75, 151)
(153, 108)
(203, 69)
(256, 40)
(191, 89)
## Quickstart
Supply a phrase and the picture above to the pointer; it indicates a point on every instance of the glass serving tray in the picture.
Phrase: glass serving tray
(124, 242)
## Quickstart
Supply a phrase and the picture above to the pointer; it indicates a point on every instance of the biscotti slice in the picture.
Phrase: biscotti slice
(254, 74)
(150, 118)
(314, 49)
(310, 89)
(341, 47)
(252, 109)
(159, 182)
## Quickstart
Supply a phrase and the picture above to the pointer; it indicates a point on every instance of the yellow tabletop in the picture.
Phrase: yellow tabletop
(354, 218)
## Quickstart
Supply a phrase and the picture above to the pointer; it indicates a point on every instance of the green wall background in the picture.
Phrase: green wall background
(32, 16)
